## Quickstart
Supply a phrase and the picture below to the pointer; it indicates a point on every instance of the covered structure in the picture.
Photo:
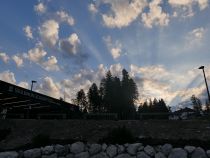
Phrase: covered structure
(18, 102)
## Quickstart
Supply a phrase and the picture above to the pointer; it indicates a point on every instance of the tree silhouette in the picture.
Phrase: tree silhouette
(81, 100)
(94, 98)
(197, 105)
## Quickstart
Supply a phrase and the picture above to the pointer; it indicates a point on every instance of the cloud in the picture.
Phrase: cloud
(115, 48)
(71, 44)
(40, 8)
(49, 32)
(116, 69)
(49, 87)
(51, 64)
(92, 8)
(38, 54)
(4, 57)
(65, 17)
(8, 76)
(185, 8)
(18, 60)
(124, 13)
(155, 16)
(28, 32)
(194, 38)
(24, 84)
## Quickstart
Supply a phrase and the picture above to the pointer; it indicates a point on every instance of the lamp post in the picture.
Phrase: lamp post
(32, 82)
(202, 67)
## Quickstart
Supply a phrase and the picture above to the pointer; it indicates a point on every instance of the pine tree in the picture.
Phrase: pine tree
(94, 98)
(81, 100)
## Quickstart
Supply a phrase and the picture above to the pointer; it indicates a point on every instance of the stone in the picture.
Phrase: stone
(47, 150)
(32, 153)
(160, 155)
(133, 148)
(149, 150)
(208, 153)
(142, 155)
(60, 150)
(123, 156)
(77, 147)
(141, 148)
(95, 149)
(9, 154)
(70, 156)
(104, 146)
(166, 149)
(120, 149)
(189, 149)
(199, 153)
(82, 155)
(50, 156)
(100, 155)
(178, 153)
(111, 151)
(158, 148)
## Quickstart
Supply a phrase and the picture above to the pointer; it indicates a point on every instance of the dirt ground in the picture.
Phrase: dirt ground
(22, 131)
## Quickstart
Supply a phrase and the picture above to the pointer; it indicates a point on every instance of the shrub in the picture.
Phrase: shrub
(4, 133)
(120, 135)
(40, 140)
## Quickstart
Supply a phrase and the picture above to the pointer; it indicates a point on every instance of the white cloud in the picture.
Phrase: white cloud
(92, 8)
(115, 48)
(49, 87)
(8, 76)
(28, 32)
(194, 38)
(4, 57)
(36, 55)
(71, 44)
(155, 16)
(49, 32)
(24, 84)
(40, 8)
(18, 60)
(116, 69)
(51, 64)
(65, 17)
(185, 8)
(124, 13)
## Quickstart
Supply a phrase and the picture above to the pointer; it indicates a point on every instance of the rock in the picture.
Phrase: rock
(70, 156)
(142, 155)
(9, 154)
(94, 149)
(111, 151)
(160, 155)
(166, 149)
(189, 149)
(47, 150)
(60, 150)
(82, 155)
(158, 148)
(141, 148)
(208, 153)
(178, 153)
(77, 147)
(120, 149)
(104, 146)
(133, 148)
(199, 153)
(126, 145)
(50, 156)
(123, 156)
(32, 153)
(100, 155)
(149, 150)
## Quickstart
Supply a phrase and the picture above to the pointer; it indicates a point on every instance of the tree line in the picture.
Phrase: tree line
(115, 95)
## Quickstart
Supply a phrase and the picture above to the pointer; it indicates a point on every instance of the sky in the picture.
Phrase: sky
(68, 45)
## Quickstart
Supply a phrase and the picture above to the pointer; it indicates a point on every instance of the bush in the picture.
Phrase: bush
(4, 133)
(120, 135)
(40, 140)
